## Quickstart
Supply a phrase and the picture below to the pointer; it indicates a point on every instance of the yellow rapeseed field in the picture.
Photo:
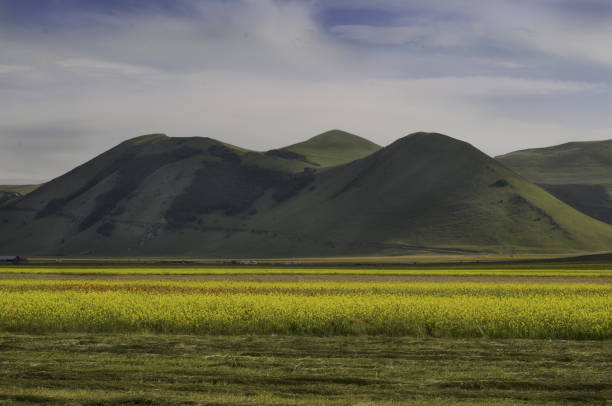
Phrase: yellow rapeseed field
(501, 310)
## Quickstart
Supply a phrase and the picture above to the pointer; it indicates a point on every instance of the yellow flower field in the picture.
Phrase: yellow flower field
(502, 310)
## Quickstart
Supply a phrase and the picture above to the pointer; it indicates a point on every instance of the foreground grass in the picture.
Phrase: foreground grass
(256, 370)
(601, 270)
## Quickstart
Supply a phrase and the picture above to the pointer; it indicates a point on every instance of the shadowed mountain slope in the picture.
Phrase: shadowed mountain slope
(142, 188)
(429, 190)
(579, 173)
(331, 148)
(12, 193)
(162, 196)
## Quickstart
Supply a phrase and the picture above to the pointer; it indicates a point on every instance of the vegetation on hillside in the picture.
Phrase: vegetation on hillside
(12, 193)
(578, 173)
(425, 193)
(330, 148)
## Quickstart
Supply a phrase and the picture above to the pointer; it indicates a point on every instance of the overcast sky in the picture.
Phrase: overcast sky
(78, 77)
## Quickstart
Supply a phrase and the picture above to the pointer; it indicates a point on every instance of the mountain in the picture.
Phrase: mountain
(331, 148)
(161, 196)
(579, 173)
(12, 193)
(142, 188)
(429, 191)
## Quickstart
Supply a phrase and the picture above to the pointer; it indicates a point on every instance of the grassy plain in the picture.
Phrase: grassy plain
(211, 335)
(569, 271)
(103, 369)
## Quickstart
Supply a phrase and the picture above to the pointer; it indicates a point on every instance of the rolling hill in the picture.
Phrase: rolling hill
(579, 173)
(331, 148)
(160, 196)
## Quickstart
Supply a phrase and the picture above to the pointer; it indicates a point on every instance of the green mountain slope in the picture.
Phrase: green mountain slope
(143, 187)
(579, 173)
(332, 148)
(162, 196)
(431, 191)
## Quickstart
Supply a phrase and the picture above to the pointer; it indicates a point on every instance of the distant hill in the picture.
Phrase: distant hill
(579, 173)
(332, 148)
(161, 196)
(12, 193)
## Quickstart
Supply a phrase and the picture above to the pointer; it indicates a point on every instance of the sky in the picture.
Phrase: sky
(78, 77)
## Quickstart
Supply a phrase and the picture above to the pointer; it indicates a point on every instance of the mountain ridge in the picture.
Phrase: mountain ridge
(578, 173)
(161, 196)
(407, 218)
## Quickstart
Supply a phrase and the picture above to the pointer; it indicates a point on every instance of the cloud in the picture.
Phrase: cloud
(464, 87)
(14, 68)
(97, 65)
(38, 151)
(417, 35)
(265, 112)
(264, 74)
(568, 29)
(567, 40)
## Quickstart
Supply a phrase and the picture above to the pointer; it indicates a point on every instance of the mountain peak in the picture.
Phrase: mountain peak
(337, 134)
(146, 138)
(334, 147)
(432, 144)
(431, 137)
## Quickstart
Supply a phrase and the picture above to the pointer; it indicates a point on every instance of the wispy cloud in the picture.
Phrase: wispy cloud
(14, 68)
(101, 66)
(423, 35)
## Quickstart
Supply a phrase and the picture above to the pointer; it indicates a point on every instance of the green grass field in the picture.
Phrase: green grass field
(103, 369)
(595, 270)
(211, 335)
